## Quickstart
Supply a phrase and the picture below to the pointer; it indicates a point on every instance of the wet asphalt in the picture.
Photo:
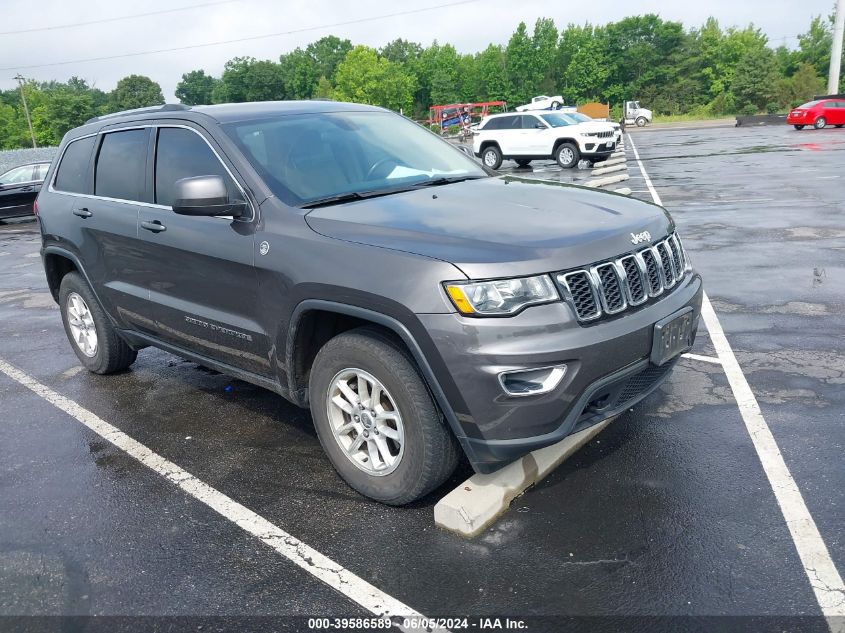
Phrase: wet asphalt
(665, 513)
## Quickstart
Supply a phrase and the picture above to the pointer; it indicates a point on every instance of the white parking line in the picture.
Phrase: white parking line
(824, 578)
(321, 567)
(705, 359)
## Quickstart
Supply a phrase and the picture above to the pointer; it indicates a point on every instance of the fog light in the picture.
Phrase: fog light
(531, 382)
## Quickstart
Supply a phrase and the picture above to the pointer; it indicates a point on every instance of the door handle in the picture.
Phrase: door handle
(82, 213)
(155, 226)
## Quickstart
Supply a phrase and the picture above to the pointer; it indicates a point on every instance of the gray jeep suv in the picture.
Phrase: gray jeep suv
(356, 264)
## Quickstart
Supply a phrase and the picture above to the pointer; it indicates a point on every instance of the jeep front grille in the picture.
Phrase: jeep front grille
(610, 287)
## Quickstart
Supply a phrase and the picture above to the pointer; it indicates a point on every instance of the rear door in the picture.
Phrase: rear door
(108, 221)
(201, 278)
(509, 134)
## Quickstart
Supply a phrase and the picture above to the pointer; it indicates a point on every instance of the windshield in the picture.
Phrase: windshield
(810, 104)
(310, 157)
(581, 118)
(560, 120)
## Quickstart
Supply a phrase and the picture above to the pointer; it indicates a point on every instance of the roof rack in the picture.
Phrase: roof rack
(167, 107)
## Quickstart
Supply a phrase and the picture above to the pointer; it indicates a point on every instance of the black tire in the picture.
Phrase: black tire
(112, 353)
(799, 127)
(820, 123)
(430, 450)
(491, 156)
(567, 155)
(839, 125)
(522, 162)
(556, 105)
(641, 121)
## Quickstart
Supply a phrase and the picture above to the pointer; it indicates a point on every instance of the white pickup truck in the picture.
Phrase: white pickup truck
(543, 102)
(528, 136)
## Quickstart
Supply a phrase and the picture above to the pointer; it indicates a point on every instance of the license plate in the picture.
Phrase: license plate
(672, 336)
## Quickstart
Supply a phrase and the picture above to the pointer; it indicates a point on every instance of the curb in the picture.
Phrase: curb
(601, 182)
(609, 169)
(481, 499)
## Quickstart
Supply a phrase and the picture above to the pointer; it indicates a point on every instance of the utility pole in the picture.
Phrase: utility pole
(836, 49)
(20, 80)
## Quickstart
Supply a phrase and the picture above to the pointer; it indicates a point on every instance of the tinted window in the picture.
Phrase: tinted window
(121, 165)
(181, 153)
(72, 174)
(810, 104)
(504, 123)
(531, 123)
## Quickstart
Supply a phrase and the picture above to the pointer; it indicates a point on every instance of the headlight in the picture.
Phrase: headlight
(501, 297)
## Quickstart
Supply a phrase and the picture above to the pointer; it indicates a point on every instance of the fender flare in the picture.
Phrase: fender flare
(58, 250)
(396, 327)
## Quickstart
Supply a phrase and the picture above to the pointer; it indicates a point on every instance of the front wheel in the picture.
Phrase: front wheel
(820, 123)
(839, 125)
(641, 121)
(799, 127)
(92, 336)
(492, 157)
(523, 162)
(567, 155)
(556, 105)
(376, 419)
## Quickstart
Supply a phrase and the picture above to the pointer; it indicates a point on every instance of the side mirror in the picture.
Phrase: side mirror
(205, 196)
(539, 126)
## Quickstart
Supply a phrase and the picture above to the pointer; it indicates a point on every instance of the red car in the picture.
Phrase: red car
(819, 113)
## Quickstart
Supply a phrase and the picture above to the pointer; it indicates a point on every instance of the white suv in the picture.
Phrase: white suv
(525, 137)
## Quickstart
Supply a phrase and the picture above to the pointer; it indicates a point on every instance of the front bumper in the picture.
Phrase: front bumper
(607, 371)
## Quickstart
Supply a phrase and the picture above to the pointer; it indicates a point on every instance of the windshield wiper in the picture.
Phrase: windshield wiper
(348, 197)
(445, 180)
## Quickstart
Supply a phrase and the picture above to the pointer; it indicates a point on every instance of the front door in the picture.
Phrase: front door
(534, 138)
(201, 278)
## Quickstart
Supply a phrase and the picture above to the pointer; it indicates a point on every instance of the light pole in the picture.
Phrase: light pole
(836, 49)
(20, 80)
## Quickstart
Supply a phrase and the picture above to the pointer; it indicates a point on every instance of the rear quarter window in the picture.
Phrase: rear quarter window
(72, 174)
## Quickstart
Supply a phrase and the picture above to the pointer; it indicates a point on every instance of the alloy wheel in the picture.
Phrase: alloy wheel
(81, 324)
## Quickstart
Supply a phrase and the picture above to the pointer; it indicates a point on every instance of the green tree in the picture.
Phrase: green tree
(801, 87)
(545, 41)
(492, 74)
(327, 53)
(524, 69)
(324, 89)
(136, 91)
(364, 77)
(300, 73)
(195, 88)
(247, 79)
(756, 78)
(401, 51)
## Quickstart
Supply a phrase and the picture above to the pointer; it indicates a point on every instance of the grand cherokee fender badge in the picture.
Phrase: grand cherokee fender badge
(636, 238)
(264, 248)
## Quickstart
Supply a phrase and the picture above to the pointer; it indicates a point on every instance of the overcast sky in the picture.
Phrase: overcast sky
(470, 27)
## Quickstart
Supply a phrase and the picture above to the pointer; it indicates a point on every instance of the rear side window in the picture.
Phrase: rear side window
(503, 123)
(121, 165)
(181, 153)
(72, 175)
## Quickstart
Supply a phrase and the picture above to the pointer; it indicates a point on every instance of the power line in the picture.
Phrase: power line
(117, 19)
(243, 39)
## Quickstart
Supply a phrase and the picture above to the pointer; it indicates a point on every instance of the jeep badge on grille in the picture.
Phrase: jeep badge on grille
(636, 238)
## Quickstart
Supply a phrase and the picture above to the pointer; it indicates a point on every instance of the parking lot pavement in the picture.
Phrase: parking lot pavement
(668, 512)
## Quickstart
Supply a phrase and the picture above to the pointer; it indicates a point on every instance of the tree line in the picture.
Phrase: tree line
(705, 71)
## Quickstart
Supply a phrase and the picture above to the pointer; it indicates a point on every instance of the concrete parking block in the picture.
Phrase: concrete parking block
(611, 161)
(609, 169)
(625, 191)
(608, 180)
(481, 499)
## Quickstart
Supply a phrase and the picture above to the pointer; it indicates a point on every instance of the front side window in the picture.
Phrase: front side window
(181, 153)
(17, 175)
(121, 165)
(559, 120)
(72, 174)
(531, 123)
(306, 158)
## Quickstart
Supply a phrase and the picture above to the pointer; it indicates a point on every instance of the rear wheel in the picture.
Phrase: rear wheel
(555, 105)
(491, 156)
(839, 124)
(820, 123)
(523, 162)
(641, 121)
(567, 155)
(92, 336)
(376, 419)
(799, 127)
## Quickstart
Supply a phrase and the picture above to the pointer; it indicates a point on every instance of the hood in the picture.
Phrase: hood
(595, 126)
(498, 227)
